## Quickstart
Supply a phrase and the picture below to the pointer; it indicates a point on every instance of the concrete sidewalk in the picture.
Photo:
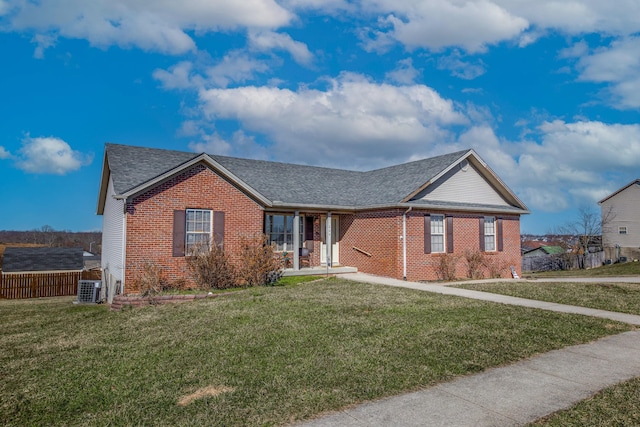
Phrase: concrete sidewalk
(513, 395)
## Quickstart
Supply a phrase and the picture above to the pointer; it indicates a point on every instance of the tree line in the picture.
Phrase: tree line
(47, 236)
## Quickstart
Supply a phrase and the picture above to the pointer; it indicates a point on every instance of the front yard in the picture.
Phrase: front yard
(620, 297)
(265, 356)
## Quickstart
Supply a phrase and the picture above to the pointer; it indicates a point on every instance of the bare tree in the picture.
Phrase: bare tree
(586, 232)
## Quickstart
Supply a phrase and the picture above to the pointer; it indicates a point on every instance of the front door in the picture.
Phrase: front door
(335, 222)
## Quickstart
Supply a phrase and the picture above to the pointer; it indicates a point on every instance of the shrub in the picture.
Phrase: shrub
(150, 282)
(210, 268)
(446, 267)
(475, 264)
(495, 267)
(259, 264)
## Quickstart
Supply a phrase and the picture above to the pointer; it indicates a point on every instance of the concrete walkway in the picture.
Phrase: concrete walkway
(513, 395)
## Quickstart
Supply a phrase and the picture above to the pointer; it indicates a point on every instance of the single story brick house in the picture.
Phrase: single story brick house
(396, 221)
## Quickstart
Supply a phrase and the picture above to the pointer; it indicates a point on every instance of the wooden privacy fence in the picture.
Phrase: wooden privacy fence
(36, 285)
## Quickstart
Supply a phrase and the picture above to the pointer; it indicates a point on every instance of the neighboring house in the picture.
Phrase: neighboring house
(42, 260)
(397, 221)
(546, 258)
(32, 272)
(621, 222)
(544, 251)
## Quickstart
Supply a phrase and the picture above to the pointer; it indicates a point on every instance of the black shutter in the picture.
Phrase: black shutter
(427, 234)
(500, 245)
(218, 228)
(179, 223)
(450, 234)
(481, 234)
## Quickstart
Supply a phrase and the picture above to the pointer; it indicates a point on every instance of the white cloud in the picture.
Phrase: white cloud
(578, 16)
(269, 40)
(436, 24)
(405, 73)
(179, 76)
(459, 68)
(241, 145)
(561, 171)
(43, 42)
(578, 49)
(151, 25)
(473, 25)
(235, 67)
(341, 124)
(4, 154)
(619, 66)
(49, 155)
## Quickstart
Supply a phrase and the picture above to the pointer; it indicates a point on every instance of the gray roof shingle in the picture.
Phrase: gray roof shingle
(290, 184)
(19, 259)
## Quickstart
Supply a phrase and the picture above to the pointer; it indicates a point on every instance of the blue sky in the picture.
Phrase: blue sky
(547, 92)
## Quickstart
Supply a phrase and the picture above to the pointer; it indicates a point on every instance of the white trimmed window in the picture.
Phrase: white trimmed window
(622, 230)
(279, 228)
(437, 233)
(489, 233)
(199, 227)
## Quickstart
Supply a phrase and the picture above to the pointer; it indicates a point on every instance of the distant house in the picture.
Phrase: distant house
(544, 251)
(42, 260)
(397, 221)
(621, 222)
(32, 272)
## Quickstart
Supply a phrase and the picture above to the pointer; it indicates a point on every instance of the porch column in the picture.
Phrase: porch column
(328, 239)
(296, 240)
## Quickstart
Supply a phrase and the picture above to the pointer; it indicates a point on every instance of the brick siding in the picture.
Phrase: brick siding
(150, 220)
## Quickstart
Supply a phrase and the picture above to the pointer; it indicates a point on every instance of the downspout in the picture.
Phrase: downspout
(404, 243)
(124, 245)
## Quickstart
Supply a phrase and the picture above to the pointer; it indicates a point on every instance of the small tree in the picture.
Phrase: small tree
(586, 229)
(495, 267)
(259, 264)
(446, 267)
(210, 267)
(475, 264)
(151, 281)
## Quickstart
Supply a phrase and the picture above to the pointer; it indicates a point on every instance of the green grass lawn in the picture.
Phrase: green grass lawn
(264, 356)
(623, 269)
(614, 406)
(620, 297)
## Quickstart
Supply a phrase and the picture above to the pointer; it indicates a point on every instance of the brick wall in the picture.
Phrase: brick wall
(376, 233)
(150, 220)
(379, 234)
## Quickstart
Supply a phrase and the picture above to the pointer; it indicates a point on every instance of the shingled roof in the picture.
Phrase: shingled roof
(134, 168)
(28, 259)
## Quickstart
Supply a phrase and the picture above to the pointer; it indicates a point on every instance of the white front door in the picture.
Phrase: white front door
(335, 260)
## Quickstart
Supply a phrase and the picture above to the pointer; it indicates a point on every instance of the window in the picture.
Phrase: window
(489, 233)
(198, 228)
(622, 230)
(279, 229)
(437, 233)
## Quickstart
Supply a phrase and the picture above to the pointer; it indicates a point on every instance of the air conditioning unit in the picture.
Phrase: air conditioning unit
(89, 291)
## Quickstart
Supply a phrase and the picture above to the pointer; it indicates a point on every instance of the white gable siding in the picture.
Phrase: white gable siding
(113, 234)
(463, 185)
(622, 210)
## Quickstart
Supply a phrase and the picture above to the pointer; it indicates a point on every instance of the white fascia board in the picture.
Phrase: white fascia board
(221, 170)
(104, 184)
